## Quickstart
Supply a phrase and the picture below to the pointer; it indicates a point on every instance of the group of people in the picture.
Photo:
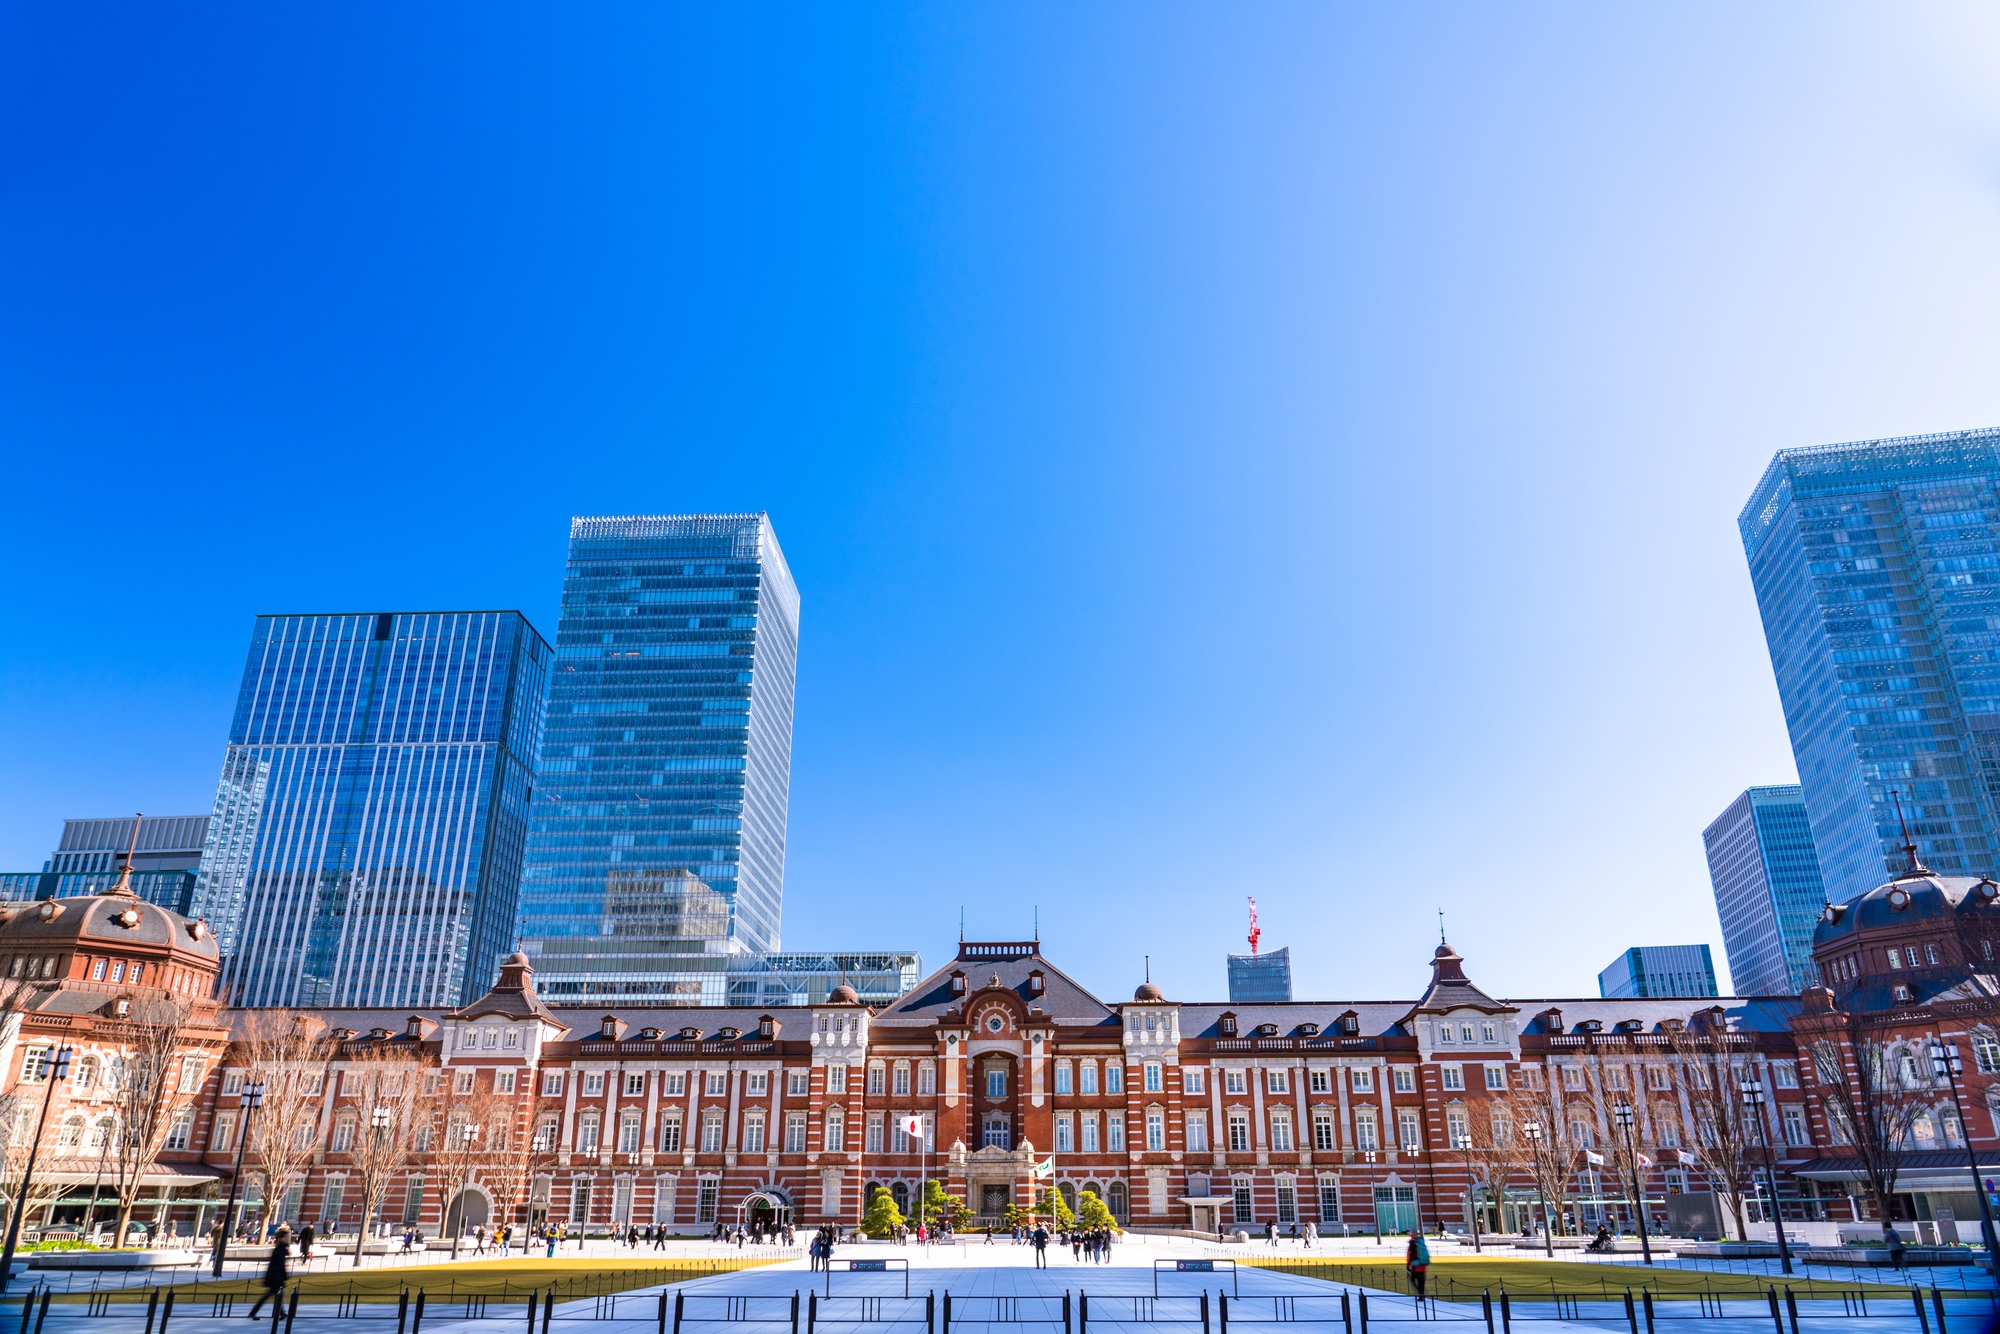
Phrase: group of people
(760, 1232)
(820, 1249)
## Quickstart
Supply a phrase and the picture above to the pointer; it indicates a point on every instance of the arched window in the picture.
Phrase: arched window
(71, 1134)
(343, 1133)
(1068, 1193)
(86, 1074)
(996, 1134)
(1117, 1201)
(100, 1134)
(900, 1193)
(114, 1074)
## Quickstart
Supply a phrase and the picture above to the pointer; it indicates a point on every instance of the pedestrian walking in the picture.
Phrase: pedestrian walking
(275, 1271)
(1041, 1240)
(1417, 1259)
(306, 1240)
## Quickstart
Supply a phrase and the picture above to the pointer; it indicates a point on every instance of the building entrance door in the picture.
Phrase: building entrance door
(1395, 1209)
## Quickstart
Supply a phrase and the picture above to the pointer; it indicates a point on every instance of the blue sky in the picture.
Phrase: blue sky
(1287, 450)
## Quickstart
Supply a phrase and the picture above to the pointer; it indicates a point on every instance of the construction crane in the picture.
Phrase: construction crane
(1255, 930)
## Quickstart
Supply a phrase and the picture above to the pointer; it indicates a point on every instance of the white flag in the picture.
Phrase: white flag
(1594, 1159)
(1689, 1160)
(913, 1126)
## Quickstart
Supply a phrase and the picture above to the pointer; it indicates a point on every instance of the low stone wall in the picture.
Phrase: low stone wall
(112, 1259)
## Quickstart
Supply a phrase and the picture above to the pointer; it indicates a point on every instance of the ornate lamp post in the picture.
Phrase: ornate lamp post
(1753, 1100)
(1374, 1210)
(468, 1135)
(1533, 1132)
(1623, 1114)
(253, 1098)
(1946, 1065)
(58, 1070)
(1464, 1145)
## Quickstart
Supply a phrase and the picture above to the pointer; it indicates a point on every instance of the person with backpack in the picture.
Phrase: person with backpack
(1417, 1260)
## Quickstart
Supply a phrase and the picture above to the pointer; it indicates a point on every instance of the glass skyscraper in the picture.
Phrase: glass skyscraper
(1877, 572)
(366, 839)
(1261, 978)
(666, 758)
(1660, 970)
(1768, 891)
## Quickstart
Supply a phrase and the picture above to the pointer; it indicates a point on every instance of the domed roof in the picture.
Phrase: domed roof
(515, 960)
(843, 995)
(1906, 901)
(111, 920)
(1148, 992)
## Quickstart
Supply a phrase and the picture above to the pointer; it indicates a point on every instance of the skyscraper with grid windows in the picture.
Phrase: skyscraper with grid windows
(1768, 892)
(366, 839)
(1877, 571)
(657, 841)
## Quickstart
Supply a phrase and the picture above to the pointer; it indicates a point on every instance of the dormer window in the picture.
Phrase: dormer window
(378, 1033)
(649, 1034)
(690, 1034)
(767, 1027)
(1350, 1023)
(416, 1028)
(1267, 1030)
(729, 1034)
(1036, 983)
(1591, 1026)
(1309, 1030)
(957, 982)
(1226, 1025)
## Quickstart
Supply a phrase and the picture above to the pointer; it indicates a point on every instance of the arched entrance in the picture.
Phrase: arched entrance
(768, 1207)
(467, 1211)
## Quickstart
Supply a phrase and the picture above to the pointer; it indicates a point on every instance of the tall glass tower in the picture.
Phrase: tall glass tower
(1768, 890)
(1877, 570)
(666, 761)
(365, 844)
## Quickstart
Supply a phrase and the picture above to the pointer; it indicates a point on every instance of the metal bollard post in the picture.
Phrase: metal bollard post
(1646, 1296)
(1065, 1311)
(1486, 1307)
(1792, 1308)
(1937, 1304)
(402, 1310)
(1777, 1321)
(812, 1310)
(292, 1311)
(534, 1299)
(1082, 1313)
(1631, 1315)
(947, 1311)
(548, 1308)
(1506, 1312)
(1346, 1313)
(48, 1294)
(167, 1311)
(1917, 1300)
(27, 1307)
(795, 1311)
(680, 1304)
(416, 1322)
(152, 1308)
(1204, 1313)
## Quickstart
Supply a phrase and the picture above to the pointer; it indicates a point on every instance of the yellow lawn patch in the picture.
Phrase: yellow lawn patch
(572, 1277)
(1462, 1278)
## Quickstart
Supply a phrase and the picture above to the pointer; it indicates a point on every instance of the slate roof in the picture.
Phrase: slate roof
(1063, 999)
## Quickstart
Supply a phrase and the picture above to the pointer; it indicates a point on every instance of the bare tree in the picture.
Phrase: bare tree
(19, 1110)
(509, 1160)
(382, 1082)
(1713, 1063)
(1536, 1111)
(1499, 1153)
(1872, 1092)
(287, 1054)
(148, 1095)
(462, 1122)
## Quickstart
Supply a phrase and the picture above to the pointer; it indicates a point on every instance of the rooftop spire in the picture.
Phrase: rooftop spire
(124, 883)
(1911, 865)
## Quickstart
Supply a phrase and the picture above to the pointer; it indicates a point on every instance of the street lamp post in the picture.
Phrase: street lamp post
(1946, 1065)
(1753, 1099)
(1464, 1145)
(1533, 1132)
(252, 1099)
(1374, 1209)
(58, 1070)
(468, 1135)
(1623, 1113)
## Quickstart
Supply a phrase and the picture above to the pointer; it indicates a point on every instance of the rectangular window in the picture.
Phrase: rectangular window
(836, 1079)
(711, 1133)
(1659, 1077)
(1090, 1132)
(926, 1080)
(1410, 1134)
(182, 1128)
(1197, 1132)
(704, 1200)
(1239, 1132)
(798, 1083)
(1087, 1078)
(635, 1083)
(1240, 1196)
(1277, 1081)
(1406, 1079)
(629, 1128)
(1320, 1081)
(1785, 1074)
(1614, 1076)
(586, 1134)
(413, 1200)
(1364, 1131)
(833, 1137)
(1065, 1133)
(461, 1082)
(795, 1132)
(1323, 1131)
(757, 1084)
(1114, 1078)
(673, 1086)
(1329, 1202)
(1062, 1078)
(223, 1137)
(329, 1205)
(875, 1081)
(874, 1132)
(717, 1083)
(1456, 1127)
(1192, 1080)
(1573, 1077)
(503, 1081)
(1281, 1132)
(996, 1083)
(1114, 1132)
(1234, 1081)
(593, 1083)
(513, 1039)
(901, 1087)
(552, 1084)
(670, 1134)
(1496, 1076)
(1444, 1035)
(1288, 1207)
(1154, 1081)
(1895, 958)
(1156, 1131)
(1795, 1127)
(753, 1133)
(1364, 1079)
(232, 1083)
(1454, 1077)
(1486, 1034)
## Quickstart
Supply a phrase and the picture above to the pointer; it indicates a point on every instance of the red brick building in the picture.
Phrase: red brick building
(1177, 1114)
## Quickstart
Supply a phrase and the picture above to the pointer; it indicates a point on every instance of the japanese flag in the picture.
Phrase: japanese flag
(913, 1126)
(1644, 1161)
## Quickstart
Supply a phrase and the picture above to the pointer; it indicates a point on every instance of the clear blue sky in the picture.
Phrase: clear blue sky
(1287, 450)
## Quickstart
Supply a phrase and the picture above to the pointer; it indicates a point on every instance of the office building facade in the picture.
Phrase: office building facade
(1878, 578)
(366, 840)
(666, 758)
(1256, 979)
(1652, 971)
(165, 843)
(1768, 891)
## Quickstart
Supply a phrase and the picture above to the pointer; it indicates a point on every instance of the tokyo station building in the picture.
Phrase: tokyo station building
(1178, 1115)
